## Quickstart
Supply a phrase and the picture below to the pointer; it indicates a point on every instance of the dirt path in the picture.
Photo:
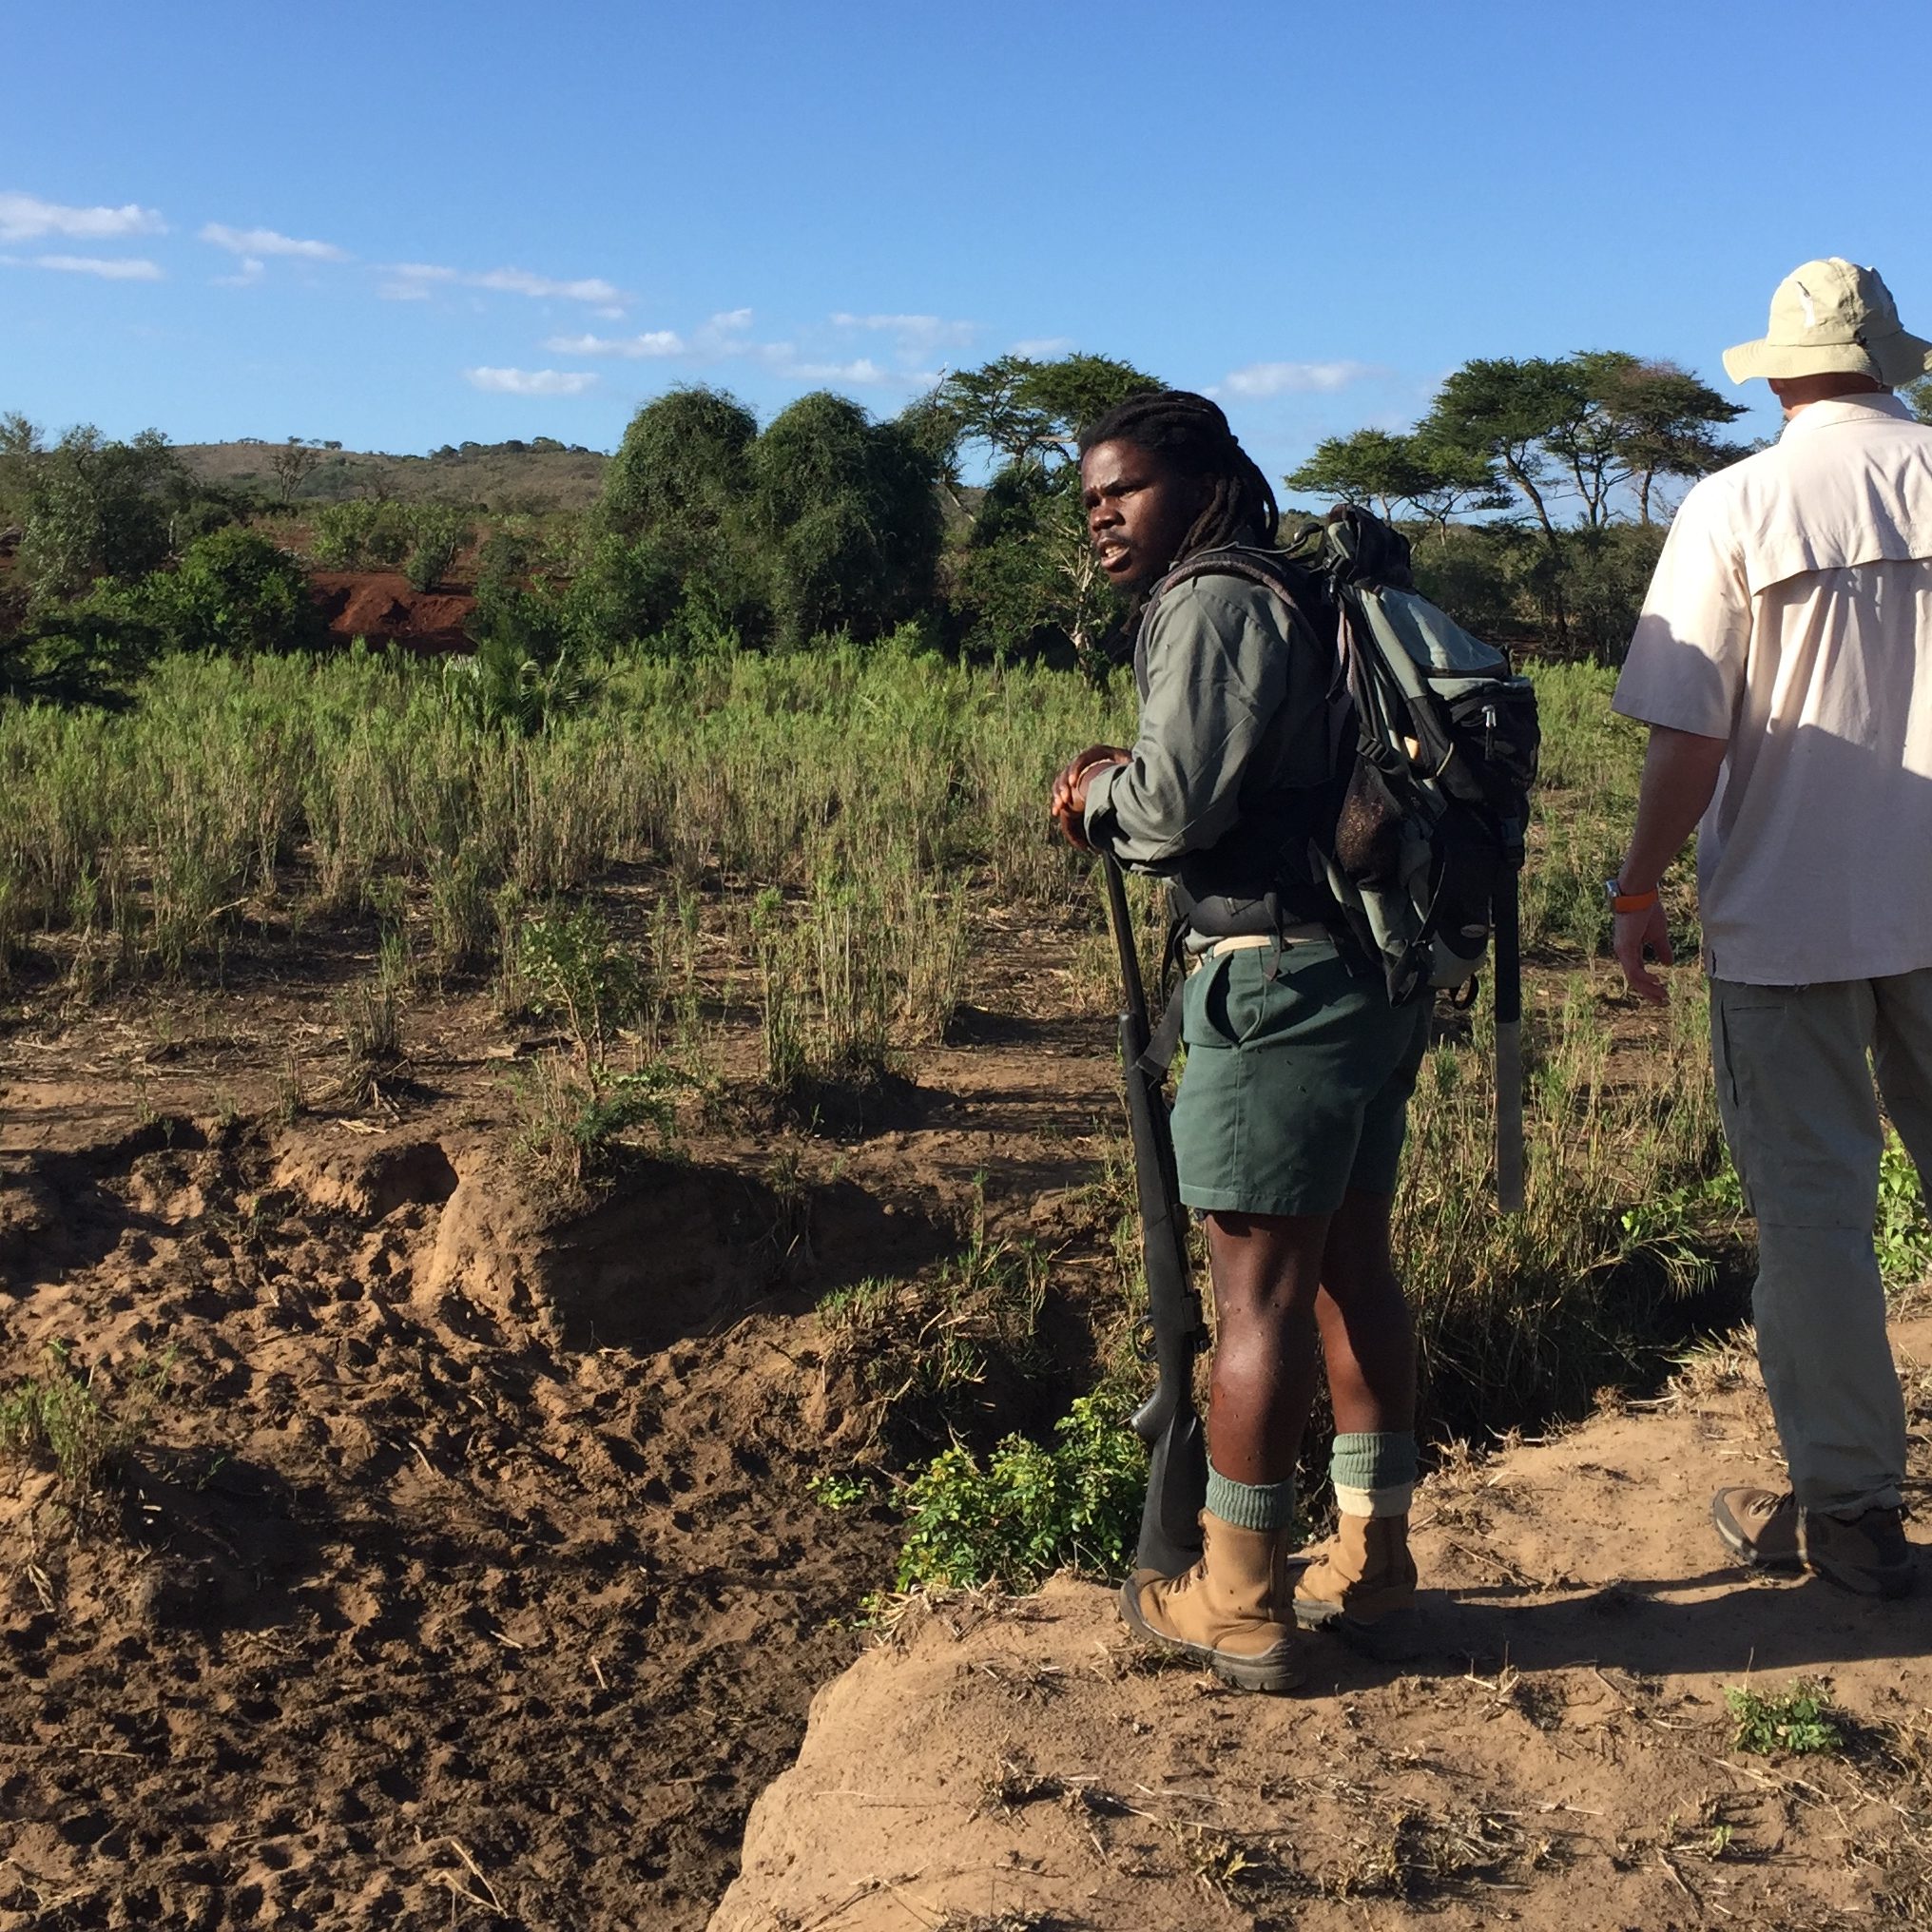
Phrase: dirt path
(466, 1570)
(1561, 1758)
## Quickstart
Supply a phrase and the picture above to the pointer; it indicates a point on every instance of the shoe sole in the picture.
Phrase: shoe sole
(1394, 1637)
(1279, 1667)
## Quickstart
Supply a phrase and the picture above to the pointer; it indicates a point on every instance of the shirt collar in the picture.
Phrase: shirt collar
(1840, 409)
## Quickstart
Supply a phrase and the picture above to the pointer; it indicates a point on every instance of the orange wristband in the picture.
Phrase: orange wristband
(1633, 902)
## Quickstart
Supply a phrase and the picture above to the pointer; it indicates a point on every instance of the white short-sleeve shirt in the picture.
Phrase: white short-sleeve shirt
(1791, 615)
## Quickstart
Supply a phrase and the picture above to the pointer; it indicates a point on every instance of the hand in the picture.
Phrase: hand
(1633, 935)
(1067, 803)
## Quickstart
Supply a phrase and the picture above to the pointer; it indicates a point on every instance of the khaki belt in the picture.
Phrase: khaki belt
(1248, 942)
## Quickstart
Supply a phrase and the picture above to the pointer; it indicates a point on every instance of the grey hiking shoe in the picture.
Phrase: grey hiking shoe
(1867, 1552)
(1758, 1527)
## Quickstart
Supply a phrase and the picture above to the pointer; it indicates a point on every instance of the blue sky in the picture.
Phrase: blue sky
(408, 224)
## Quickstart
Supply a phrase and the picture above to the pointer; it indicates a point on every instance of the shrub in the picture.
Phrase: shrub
(341, 532)
(1031, 1509)
(437, 533)
(234, 591)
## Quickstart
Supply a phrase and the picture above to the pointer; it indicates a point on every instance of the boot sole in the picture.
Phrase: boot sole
(1279, 1667)
(1394, 1637)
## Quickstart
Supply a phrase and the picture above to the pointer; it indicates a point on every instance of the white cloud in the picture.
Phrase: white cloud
(266, 242)
(110, 268)
(917, 335)
(530, 381)
(251, 271)
(864, 371)
(652, 342)
(412, 281)
(1039, 348)
(25, 218)
(1295, 379)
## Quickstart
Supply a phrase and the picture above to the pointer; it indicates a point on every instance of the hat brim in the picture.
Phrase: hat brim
(1891, 359)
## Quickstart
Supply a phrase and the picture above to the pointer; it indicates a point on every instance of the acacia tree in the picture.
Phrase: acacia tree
(1025, 566)
(1389, 467)
(1919, 394)
(292, 465)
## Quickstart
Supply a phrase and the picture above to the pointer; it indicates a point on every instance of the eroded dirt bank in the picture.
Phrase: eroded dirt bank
(466, 1568)
(1561, 1757)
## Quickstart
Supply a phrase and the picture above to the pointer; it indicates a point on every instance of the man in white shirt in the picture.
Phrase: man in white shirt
(1783, 663)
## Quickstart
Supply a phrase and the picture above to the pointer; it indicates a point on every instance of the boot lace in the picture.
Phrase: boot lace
(1770, 1503)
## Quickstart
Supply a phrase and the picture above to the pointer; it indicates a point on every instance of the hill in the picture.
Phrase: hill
(537, 475)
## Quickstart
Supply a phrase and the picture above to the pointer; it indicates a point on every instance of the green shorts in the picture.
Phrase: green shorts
(1296, 1088)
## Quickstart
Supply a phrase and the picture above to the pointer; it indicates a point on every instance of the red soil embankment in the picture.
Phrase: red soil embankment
(381, 607)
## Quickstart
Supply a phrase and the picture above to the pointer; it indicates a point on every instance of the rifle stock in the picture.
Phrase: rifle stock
(1167, 1422)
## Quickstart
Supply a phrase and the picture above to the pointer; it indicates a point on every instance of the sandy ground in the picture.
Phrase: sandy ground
(1560, 1756)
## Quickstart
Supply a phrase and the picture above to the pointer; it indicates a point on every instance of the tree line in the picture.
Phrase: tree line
(1537, 491)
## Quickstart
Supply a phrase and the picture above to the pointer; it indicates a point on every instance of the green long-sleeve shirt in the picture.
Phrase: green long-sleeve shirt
(1232, 710)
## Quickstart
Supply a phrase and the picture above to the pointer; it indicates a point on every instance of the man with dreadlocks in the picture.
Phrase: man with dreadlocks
(1292, 1107)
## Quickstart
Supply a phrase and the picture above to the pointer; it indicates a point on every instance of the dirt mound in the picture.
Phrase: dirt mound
(380, 608)
(467, 1564)
(1563, 1758)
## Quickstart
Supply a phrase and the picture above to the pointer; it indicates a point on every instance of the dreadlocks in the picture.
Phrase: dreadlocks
(1189, 433)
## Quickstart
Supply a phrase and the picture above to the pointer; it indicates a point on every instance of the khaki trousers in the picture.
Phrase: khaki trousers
(1794, 1087)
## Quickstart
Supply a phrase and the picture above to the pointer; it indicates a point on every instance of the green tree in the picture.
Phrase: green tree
(1919, 394)
(100, 508)
(676, 511)
(846, 510)
(235, 591)
(1387, 468)
(683, 464)
(1023, 569)
(1640, 420)
(20, 445)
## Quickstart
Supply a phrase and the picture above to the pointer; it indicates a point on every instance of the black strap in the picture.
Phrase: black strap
(1166, 1039)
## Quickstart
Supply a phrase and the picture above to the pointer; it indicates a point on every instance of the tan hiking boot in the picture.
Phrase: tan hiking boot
(1866, 1553)
(1229, 1611)
(1759, 1526)
(1361, 1585)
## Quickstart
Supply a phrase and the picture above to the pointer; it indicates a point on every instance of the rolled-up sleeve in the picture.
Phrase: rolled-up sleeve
(1688, 655)
(1216, 674)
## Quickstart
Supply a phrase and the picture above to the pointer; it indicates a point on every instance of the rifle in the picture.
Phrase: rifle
(1509, 1042)
(1167, 1422)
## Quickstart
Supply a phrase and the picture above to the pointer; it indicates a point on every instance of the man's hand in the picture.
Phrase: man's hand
(1067, 803)
(1634, 935)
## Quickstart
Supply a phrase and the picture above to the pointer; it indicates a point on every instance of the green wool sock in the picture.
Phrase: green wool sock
(1250, 1506)
(1374, 1474)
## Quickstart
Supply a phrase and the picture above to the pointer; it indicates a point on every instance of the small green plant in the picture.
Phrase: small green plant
(571, 1121)
(58, 1416)
(1904, 1235)
(1795, 1722)
(842, 1489)
(576, 973)
(1030, 1509)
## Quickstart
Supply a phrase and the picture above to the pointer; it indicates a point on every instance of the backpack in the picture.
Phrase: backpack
(1434, 744)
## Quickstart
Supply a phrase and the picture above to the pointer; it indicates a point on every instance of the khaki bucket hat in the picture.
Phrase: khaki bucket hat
(1832, 316)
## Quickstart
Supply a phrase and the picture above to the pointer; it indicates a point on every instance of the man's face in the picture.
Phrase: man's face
(1138, 510)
